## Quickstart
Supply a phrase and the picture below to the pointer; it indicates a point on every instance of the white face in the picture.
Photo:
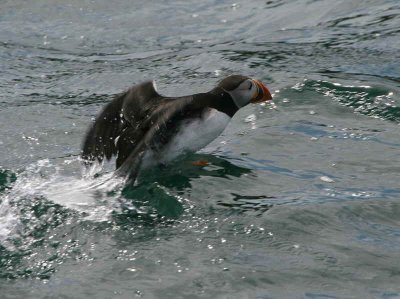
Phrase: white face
(243, 94)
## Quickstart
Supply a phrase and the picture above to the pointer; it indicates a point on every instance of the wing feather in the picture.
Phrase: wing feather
(130, 162)
(99, 140)
(126, 109)
(128, 125)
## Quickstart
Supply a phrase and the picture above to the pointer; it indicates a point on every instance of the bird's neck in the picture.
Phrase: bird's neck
(217, 99)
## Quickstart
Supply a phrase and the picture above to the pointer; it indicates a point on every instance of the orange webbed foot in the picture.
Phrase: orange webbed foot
(200, 163)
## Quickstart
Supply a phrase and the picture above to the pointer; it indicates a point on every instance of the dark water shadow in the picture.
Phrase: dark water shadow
(6, 179)
(156, 196)
(178, 176)
(257, 204)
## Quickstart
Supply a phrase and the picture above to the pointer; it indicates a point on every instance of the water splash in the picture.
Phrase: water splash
(43, 184)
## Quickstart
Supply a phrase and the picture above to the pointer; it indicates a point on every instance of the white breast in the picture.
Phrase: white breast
(193, 135)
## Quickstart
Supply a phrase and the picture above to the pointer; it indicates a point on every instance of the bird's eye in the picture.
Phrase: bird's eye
(250, 85)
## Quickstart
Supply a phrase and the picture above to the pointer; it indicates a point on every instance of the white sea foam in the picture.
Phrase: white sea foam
(8, 222)
(87, 195)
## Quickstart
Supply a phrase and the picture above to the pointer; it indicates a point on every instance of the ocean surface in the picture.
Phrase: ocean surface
(301, 198)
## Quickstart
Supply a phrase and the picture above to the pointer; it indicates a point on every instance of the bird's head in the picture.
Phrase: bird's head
(244, 90)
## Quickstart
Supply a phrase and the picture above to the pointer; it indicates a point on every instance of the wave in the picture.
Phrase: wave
(374, 101)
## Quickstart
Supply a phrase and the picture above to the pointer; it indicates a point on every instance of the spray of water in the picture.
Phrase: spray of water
(94, 198)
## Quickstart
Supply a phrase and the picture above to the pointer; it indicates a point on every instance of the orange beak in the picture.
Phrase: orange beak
(262, 94)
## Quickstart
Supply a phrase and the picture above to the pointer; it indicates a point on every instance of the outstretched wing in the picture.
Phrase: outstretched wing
(133, 149)
(127, 127)
(100, 139)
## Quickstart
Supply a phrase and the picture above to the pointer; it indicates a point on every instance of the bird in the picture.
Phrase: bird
(143, 128)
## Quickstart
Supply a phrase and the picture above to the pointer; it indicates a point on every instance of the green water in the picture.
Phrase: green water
(301, 198)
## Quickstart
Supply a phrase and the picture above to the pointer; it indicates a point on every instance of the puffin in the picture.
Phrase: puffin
(143, 128)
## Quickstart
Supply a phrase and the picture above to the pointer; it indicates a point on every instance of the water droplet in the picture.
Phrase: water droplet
(138, 293)
(326, 179)
(250, 118)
